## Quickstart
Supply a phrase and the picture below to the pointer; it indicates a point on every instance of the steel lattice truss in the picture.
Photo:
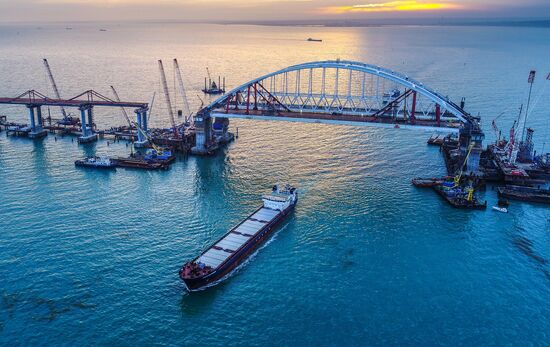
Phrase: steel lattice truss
(341, 88)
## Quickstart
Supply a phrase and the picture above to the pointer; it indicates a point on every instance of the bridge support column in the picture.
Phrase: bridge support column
(39, 116)
(227, 104)
(255, 96)
(438, 114)
(145, 126)
(470, 135)
(248, 101)
(141, 117)
(413, 109)
(87, 132)
(32, 122)
(91, 118)
(35, 124)
(203, 135)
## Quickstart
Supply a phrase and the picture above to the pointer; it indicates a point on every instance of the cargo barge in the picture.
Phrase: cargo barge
(525, 194)
(137, 163)
(458, 198)
(233, 248)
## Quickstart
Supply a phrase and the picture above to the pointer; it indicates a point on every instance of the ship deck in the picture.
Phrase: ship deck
(237, 237)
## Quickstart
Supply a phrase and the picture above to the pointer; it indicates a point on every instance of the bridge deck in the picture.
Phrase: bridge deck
(307, 117)
(68, 103)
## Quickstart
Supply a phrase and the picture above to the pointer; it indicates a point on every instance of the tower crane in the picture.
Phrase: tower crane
(168, 102)
(186, 109)
(54, 86)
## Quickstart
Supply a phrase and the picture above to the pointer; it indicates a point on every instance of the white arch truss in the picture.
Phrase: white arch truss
(327, 87)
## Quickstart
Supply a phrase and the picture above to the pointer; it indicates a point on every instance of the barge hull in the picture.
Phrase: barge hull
(241, 254)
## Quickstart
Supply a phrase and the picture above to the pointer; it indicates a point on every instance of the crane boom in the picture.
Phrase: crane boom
(148, 137)
(167, 96)
(54, 85)
(124, 113)
(459, 176)
(183, 93)
(151, 107)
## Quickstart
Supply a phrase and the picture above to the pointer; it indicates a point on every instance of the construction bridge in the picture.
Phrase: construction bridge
(338, 92)
(85, 102)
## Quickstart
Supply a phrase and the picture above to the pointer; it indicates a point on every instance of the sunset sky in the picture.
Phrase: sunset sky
(66, 10)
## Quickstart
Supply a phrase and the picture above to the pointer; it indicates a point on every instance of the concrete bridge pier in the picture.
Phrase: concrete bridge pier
(91, 118)
(141, 118)
(88, 134)
(35, 123)
(203, 135)
(468, 135)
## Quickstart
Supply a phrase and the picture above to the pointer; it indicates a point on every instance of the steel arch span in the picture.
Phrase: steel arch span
(340, 92)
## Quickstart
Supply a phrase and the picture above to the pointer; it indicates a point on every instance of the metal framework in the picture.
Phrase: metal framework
(342, 90)
(88, 98)
(84, 101)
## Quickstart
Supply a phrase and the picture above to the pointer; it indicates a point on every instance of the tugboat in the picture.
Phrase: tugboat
(96, 162)
(237, 244)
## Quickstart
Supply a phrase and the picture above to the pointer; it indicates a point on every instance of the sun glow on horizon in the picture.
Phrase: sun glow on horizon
(392, 6)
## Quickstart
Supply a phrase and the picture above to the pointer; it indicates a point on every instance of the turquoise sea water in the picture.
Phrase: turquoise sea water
(91, 257)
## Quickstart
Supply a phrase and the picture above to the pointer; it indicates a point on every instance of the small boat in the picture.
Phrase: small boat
(96, 162)
(500, 209)
(314, 40)
(233, 248)
(426, 182)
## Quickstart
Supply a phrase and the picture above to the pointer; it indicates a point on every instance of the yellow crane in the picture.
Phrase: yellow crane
(131, 123)
(158, 149)
(458, 177)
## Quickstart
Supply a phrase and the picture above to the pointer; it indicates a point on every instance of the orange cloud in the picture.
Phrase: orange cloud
(393, 6)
